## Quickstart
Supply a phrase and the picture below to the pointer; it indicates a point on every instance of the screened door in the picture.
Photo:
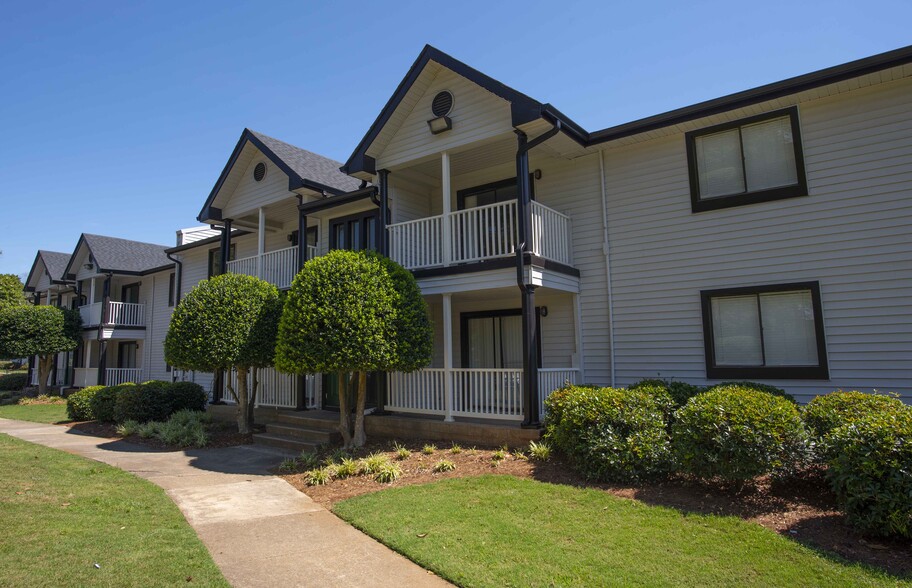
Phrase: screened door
(130, 293)
(126, 355)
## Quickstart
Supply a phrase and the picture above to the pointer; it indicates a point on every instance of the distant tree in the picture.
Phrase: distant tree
(44, 331)
(351, 312)
(228, 322)
(11, 291)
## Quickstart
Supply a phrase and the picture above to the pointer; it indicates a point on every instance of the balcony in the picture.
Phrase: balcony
(117, 314)
(84, 377)
(478, 234)
(276, 267)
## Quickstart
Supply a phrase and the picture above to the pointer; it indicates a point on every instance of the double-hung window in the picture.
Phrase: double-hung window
(747, 161)
(765, 332)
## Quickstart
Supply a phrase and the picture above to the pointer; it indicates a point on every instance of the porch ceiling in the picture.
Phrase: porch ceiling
(497, 152)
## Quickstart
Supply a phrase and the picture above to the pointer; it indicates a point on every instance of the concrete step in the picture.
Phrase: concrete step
(323, 422)
(296, 445)
(307, 434)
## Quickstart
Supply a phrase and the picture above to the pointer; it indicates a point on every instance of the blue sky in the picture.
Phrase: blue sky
(119, 116)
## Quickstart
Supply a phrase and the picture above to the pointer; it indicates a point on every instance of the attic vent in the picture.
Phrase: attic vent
(259, 172)
(442, 104)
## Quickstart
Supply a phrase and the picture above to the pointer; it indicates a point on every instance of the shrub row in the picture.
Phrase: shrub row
(13, 382)
(737, 431)
(150, 401)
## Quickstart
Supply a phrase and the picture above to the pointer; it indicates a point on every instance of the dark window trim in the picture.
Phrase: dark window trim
(461, 194)
(713, 372)
(232, 255)
(172, 281)
(745, 198)
(120, 352)
(464, 318)
(359, 216)
(314, 230)
(125, 287)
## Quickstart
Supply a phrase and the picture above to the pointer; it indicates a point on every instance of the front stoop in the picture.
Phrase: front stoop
(289, 430)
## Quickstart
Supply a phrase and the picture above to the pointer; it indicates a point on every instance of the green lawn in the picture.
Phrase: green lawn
(504, 531)
(61, 514)
(38, 413)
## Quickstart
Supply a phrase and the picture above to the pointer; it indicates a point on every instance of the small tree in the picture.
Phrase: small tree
(224, 323)
(11, 291)
(353, 312)
(44, 331)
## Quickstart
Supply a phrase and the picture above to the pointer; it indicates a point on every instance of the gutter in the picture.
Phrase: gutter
(178, 278)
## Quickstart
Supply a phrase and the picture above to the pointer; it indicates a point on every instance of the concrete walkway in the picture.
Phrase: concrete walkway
(258, 528)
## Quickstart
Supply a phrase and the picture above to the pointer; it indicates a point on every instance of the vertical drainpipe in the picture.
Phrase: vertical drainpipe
(384, 210)
(102, 342)
(302, 235)
(77, 353)
(527, 291)
(607, 251)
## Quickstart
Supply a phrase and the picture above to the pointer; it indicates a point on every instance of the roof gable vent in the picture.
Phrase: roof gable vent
(259, 172)
(442, 104)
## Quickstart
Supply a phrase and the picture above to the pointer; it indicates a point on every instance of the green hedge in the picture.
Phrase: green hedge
(609, 434)
(825, 413)
(755, 386)
(736, 434)
(870, 470)
(150, 401)
(187, 396)
(79, 404)
(13, 382)
(103, 402)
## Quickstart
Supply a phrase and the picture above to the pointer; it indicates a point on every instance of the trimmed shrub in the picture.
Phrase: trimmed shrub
(187, 396)
(755, 386)
(678, 392)
(737, 434)
(79, 404)
(825, 413)
(185, 428)
(103, 402)
(13, 382)
(142, 403)
(869, 470)
(609, 434)
(555, 402)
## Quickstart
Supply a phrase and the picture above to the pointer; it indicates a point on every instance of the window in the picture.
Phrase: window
(493, 338)
(747, 161)
(765, 332)
(492, 193)
(215, 258)
(355, 232)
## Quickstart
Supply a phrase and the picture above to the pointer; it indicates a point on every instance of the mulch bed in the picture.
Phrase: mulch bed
(221, 434)
(802, 509)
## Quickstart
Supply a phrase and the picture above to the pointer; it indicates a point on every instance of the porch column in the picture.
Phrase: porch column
(261, 241)
(448, 357)
(302, 238)
(445, 188)
(102, 361)
(384, 210)
(530, 332)
(226, 246)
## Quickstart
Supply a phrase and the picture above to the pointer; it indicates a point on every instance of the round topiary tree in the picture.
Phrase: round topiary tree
(44, 331)
(353, 312)
(11, 291)
(228, 322)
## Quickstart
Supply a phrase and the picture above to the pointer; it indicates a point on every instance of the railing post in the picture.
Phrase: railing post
(448, 358)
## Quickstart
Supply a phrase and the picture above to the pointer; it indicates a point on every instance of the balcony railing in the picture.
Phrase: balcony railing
(119, 314)
(85, 377)
(477, 393)
(279, 390)
(476, 234)
(117, 376)
(276, 267)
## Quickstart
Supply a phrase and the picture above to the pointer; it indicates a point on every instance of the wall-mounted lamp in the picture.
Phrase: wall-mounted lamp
(537, 174)
(89, 266)
(440, 124)
(543, 311)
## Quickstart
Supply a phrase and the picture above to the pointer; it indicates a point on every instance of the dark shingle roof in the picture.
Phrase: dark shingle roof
(55, 262)
(309, 165)
(122, 255)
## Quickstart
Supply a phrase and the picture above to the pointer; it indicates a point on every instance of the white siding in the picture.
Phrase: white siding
(249, 194)
(158, 316)
(852, 234)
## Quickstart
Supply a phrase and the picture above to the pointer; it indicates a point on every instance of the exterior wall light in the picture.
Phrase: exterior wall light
(440, 124)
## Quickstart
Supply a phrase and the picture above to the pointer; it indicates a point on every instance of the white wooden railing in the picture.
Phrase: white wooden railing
(126, 314)
(90, 314)
(478, 393)
(476, 234)
(551, 234)
(276, 267)
(278, 390)
(85, 377)
(117, 376)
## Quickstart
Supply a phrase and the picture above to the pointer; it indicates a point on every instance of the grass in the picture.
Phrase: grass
(38, 413)
(62, 514)
(504, 531)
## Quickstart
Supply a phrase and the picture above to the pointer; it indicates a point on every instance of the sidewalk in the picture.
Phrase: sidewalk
(259, 530)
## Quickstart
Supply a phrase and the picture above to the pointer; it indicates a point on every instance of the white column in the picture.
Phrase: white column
(446, 190)
(92, 291)
(578, 328)
(261, 241)
(448, 357)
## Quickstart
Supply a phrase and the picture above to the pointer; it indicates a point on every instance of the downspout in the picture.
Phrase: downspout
(607, 250)
(178, 276)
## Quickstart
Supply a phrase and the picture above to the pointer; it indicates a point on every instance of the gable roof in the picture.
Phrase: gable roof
(55, 262)
(122, 256)
(525, 109)
(305, 169)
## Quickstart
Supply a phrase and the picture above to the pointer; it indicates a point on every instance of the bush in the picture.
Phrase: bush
(678, 392)
(13, 382)
(554, 403)
(756, 387)
(184, 429)
(79, 404)
(103, 402)
(145, 402)
(187, 396)
(737, 434)
(825, 413)
(609, 434)
(869, 470)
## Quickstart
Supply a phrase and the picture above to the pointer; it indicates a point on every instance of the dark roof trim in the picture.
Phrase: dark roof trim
(206, 241)
(523, 108)
(327, 203)
(66, 272)
(295, 181)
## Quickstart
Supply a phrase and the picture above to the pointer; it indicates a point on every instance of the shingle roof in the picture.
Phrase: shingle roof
(123, 255)
(309, 165)
(55, 262)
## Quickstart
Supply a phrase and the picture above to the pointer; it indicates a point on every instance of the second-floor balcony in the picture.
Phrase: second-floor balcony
(478, 234)
(276, 267)
(116, 314)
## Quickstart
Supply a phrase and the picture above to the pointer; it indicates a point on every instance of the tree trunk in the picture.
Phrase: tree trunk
(44, 372)
(344, 411)
(242, 401)
(360, 437)
(251, 403)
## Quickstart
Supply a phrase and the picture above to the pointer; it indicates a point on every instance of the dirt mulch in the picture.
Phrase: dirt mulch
(802, 510)
(221, 434)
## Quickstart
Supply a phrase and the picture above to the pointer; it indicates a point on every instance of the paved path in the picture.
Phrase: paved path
(258, 528)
